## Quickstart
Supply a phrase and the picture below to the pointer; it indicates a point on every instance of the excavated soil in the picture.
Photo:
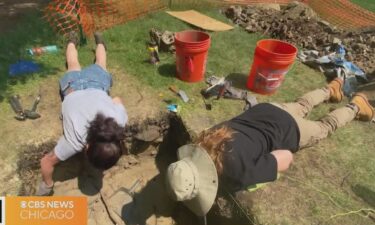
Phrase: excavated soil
(300, 25)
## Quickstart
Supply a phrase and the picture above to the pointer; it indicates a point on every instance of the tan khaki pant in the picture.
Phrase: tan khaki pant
(313, 131)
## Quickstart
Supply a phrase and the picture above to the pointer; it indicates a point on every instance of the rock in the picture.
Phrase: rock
(148, 134)
(346, 41)
(349, 56)
(132, 160)
(359, 47)
(297, 10)
(251, 29)
(250, 11)
(159, 140)
(360, 39)
(329, 30)
(153, 153)
(233, 12)
(372, 42)
(266, 6)
(324, 23)
(296, 24)
(336, 41)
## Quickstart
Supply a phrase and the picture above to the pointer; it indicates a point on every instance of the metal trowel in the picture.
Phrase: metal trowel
(180, 93)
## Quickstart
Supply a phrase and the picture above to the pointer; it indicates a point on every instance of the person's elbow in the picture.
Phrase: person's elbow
(284, 159)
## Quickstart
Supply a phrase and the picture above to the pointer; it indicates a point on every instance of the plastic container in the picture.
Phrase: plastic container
(41, 50)
(23, 67)
(272, 60)
(191, 55)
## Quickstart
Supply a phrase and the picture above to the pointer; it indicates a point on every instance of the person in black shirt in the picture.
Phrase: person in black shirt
(254, 146)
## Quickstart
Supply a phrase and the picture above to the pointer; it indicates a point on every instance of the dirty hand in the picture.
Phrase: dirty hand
(44, 189)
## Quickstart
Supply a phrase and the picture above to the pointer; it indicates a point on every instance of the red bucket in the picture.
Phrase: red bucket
(191, 55)
(272, 60)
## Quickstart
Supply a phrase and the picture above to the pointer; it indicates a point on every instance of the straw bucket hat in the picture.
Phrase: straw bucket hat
(193, 179)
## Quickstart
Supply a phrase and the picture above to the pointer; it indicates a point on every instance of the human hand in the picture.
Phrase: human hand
(44, 189)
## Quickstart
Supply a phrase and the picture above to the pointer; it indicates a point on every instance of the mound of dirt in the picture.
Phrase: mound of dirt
(299, 24)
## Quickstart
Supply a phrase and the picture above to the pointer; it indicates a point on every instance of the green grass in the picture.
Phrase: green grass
(349, 150)
(230, 54)
(367, 4)
(30, 32)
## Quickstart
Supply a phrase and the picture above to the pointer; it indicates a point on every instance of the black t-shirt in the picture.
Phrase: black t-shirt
(258, 131)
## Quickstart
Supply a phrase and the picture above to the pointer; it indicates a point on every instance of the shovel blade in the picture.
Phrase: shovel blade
(183, 95)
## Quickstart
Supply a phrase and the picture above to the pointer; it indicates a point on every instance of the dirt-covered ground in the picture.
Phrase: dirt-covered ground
(299, 194)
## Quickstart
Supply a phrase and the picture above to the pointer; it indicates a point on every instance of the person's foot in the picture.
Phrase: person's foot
(335, 88)
(365, 110)
(73, 38)
(99, 39)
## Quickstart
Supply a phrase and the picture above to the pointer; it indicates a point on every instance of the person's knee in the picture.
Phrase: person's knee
(101, 64)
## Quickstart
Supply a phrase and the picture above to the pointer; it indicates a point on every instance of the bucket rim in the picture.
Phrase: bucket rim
(280, 41)
(195, 31)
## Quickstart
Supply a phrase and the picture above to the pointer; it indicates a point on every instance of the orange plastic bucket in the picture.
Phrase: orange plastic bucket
(272, 60)
(191, 55)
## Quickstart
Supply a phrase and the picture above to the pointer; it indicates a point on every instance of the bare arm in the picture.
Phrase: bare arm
(117, 100)
(284, 158)
(47, 165)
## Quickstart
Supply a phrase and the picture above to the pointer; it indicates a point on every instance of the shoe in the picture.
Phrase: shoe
(335, 88)
(365, 110)
(73, 37)
(99, 39)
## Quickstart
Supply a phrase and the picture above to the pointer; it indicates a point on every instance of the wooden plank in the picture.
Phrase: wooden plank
(197, 19)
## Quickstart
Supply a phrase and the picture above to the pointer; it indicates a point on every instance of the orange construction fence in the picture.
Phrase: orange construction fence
(89, 15)
(342, 13)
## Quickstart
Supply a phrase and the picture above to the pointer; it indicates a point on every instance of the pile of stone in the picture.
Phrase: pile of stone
(299, 24)
(163, 39)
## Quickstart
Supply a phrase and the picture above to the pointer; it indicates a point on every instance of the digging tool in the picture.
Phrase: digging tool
(221, 88)
(17, 107)
(22, 114)
(32, 114)
(180, 93)
(207, 105)
(129, 191)
(216, 87)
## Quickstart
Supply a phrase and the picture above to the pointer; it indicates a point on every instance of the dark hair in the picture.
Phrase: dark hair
(104, 142)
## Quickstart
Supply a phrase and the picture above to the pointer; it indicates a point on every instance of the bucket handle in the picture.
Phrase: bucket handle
(269, 79)
(189, 64)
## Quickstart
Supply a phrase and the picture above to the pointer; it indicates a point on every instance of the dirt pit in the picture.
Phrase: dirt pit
(132, 192)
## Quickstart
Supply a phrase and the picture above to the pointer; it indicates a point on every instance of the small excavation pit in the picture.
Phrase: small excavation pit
(151, 146)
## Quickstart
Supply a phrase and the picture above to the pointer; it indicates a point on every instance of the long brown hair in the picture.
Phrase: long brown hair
(214, 142)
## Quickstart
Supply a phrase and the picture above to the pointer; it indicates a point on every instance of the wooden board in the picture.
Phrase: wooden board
(197, 19)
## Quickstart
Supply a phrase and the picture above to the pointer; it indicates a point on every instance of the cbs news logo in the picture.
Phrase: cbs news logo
(2, 211)
(43, 210)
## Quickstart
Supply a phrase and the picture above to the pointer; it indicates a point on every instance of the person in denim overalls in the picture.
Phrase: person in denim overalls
(93, 122)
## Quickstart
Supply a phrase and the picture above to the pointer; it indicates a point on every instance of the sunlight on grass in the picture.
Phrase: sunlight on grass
(349, 152)
(367, 4)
